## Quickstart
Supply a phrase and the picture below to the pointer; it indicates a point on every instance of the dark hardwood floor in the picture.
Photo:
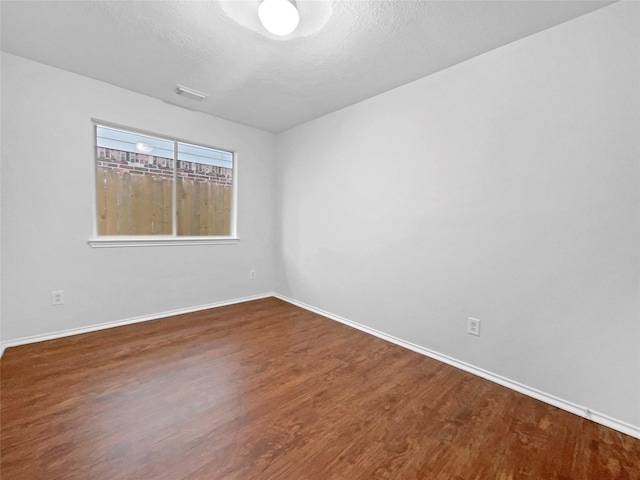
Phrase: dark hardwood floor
(265, 391)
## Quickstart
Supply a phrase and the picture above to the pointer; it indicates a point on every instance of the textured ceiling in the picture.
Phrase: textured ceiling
(343, 51)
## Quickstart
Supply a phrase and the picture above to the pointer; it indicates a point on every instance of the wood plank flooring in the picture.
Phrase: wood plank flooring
(264, 391)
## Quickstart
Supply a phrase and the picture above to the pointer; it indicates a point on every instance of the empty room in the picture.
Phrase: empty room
(320, 240)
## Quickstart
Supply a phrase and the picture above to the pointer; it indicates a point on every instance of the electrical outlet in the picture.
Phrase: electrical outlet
(57, 297)
(252, 274)
(473, 326)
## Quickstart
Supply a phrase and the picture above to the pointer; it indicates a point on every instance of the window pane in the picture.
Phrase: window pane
(204, 191)
(134, 183)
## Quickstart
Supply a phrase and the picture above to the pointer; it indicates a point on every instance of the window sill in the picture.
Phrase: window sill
(110, 242)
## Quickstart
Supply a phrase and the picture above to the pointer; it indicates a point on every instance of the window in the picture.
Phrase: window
(154, 190)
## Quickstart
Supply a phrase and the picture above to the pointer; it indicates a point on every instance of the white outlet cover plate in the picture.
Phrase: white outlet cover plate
(57, 297)
(473, 326)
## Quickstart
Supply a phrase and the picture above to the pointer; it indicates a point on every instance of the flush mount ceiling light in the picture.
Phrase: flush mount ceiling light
(280, 17)
(190, 93)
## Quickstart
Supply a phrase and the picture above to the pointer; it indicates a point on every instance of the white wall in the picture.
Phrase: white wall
(504, 188)
(47, 208)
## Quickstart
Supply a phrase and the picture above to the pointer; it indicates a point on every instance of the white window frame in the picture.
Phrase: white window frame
(110, 241)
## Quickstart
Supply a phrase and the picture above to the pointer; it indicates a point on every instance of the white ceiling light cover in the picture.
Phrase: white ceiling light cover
(280, 17)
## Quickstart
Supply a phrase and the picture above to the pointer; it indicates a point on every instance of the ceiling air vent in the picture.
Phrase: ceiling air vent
(190, 93)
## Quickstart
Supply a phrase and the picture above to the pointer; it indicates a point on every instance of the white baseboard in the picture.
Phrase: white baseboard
(582, 411)
(128, 321)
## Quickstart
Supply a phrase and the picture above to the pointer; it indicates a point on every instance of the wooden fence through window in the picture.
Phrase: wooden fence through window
(130, 203)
